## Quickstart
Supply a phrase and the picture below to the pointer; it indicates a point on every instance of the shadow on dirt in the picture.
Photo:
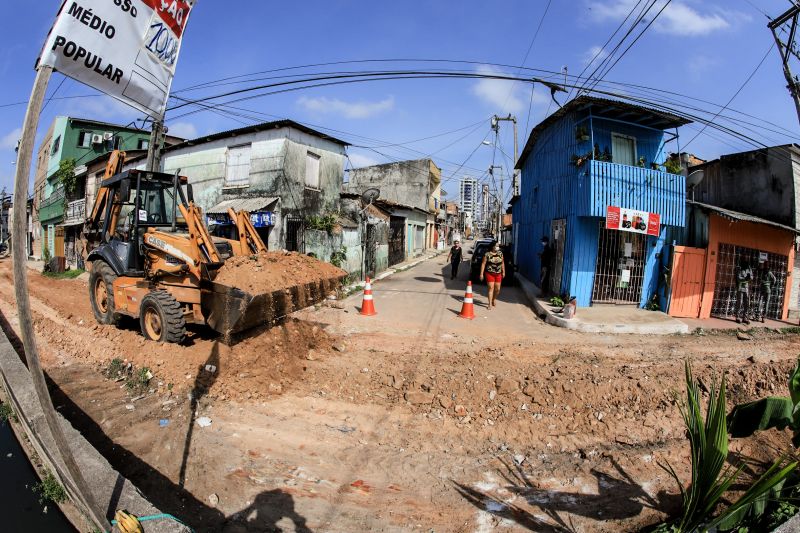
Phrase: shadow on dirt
(619, 497)
(270, 506)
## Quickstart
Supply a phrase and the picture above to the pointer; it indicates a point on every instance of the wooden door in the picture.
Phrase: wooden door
(59, 242)
(688, 274)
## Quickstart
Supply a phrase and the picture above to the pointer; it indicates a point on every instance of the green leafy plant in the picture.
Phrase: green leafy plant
(642, 162)
(49, 489)
(339, 257)
(653, 304)
(139, 380)
(46, 256)
(581, 133)
(711, 479)
(66, 175)
(557, 301)
(115, 368)
(67, 274)
(779, 412)
(673, 166)
(580, 160)
(7, 413)
(325, 222)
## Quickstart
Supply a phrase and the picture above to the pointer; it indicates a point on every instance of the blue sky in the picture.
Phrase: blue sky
(701, 49)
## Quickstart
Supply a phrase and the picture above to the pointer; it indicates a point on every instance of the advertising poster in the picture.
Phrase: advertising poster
(634, 221)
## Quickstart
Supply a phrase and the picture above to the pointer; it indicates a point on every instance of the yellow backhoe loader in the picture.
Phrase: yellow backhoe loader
(153, 259)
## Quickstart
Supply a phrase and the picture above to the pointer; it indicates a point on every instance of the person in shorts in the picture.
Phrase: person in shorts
(493, 269)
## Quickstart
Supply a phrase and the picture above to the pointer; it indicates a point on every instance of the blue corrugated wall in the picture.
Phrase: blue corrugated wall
(553, 188)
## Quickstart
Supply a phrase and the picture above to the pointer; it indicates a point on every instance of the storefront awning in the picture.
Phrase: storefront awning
(251, 205)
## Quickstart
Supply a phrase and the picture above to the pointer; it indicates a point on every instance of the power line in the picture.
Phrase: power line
(741, 87)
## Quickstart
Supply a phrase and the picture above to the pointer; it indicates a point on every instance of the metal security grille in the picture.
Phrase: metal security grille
(729, 257)
(619, 274)
(397, 238)
(294, 234)
(558, 237)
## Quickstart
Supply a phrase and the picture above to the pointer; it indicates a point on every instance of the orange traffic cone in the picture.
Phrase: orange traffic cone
(468, 309)
(367, 305)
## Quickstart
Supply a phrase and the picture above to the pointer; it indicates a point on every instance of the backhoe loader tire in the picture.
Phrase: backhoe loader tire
(101, 293)
(161, 318)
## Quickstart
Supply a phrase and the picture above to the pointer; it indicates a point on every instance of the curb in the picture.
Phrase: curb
(532, 293)
(391, 271)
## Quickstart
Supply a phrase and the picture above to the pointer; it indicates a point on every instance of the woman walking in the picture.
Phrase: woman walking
(493, 268)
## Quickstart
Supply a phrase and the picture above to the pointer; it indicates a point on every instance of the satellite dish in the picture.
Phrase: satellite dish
(370, 195)
(694, 179)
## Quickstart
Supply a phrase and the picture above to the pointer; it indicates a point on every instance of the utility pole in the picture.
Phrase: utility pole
(154, 148)
(496, 127)
(786, 49)
(3, 230)
(498, 201)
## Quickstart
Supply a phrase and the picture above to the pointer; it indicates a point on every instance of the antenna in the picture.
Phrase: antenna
(370, 195)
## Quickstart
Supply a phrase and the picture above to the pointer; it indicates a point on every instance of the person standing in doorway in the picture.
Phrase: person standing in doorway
(493, 268)
(545, 265)
(743, 278)
(767, 280)
(455, 257)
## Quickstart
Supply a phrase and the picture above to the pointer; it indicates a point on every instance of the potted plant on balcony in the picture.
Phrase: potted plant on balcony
(581, 133)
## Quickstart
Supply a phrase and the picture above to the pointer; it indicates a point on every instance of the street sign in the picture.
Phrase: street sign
(632, 220)
(127, 49)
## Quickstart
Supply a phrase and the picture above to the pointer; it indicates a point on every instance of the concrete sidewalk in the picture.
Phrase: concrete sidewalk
(604, 319)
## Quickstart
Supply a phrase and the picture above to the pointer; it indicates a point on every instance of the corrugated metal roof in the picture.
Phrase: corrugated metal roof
(633, 113)
(251, 205)
(735, 215)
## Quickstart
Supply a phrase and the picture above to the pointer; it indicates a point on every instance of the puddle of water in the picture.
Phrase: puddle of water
(22, 509)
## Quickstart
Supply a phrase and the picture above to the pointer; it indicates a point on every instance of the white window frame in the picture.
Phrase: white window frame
(635, 148)
(85, 139)
(312, 180)
(239, 182)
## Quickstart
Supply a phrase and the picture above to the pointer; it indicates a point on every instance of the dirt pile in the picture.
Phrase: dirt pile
(273, 271)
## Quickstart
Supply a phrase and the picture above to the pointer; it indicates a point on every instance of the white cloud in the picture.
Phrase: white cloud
(353, 110)
(360, 160)
(595, 53)
(505, 96)
(187, 130)
(699, 65)
(102, 108)
(9, 141)
(678, 18)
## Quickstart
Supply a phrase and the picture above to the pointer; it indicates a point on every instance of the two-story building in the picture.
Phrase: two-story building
(593, 182)
(287, 175)
(411, 191)
(78, 140)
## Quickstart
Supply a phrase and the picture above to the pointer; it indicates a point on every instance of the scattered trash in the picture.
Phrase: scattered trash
(130, 407)
(742, 336)
(204, 422)
(211, 369)
(137, 398)
(343, 429)
(163, 422)
(10, 455)
(519, 459)
(492, 394)
(213, 500)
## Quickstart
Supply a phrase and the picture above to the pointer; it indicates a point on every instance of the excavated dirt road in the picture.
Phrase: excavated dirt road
(413, 420)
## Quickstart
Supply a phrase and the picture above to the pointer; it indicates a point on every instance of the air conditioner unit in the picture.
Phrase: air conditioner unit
(97, 139)
(108, 136)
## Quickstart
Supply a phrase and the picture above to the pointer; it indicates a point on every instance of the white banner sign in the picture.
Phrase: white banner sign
(127, 49)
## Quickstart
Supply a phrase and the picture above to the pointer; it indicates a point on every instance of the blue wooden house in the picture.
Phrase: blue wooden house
(594, 182)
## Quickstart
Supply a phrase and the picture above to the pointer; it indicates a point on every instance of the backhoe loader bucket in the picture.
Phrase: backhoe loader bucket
(231, 310)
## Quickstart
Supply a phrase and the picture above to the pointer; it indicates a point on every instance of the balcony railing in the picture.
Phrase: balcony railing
(76, 212)
(640, 188)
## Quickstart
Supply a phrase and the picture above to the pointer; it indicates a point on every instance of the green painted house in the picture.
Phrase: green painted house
(82, 140)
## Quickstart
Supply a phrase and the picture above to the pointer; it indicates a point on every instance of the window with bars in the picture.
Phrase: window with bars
(729, 259)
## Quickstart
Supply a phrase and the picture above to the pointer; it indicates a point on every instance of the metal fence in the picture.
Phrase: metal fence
(619, 274)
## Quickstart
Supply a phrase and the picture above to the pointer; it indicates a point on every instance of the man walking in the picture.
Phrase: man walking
(455, 257)
(743, 278)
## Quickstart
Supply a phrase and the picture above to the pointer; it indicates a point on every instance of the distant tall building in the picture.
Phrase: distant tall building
(469, 196)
